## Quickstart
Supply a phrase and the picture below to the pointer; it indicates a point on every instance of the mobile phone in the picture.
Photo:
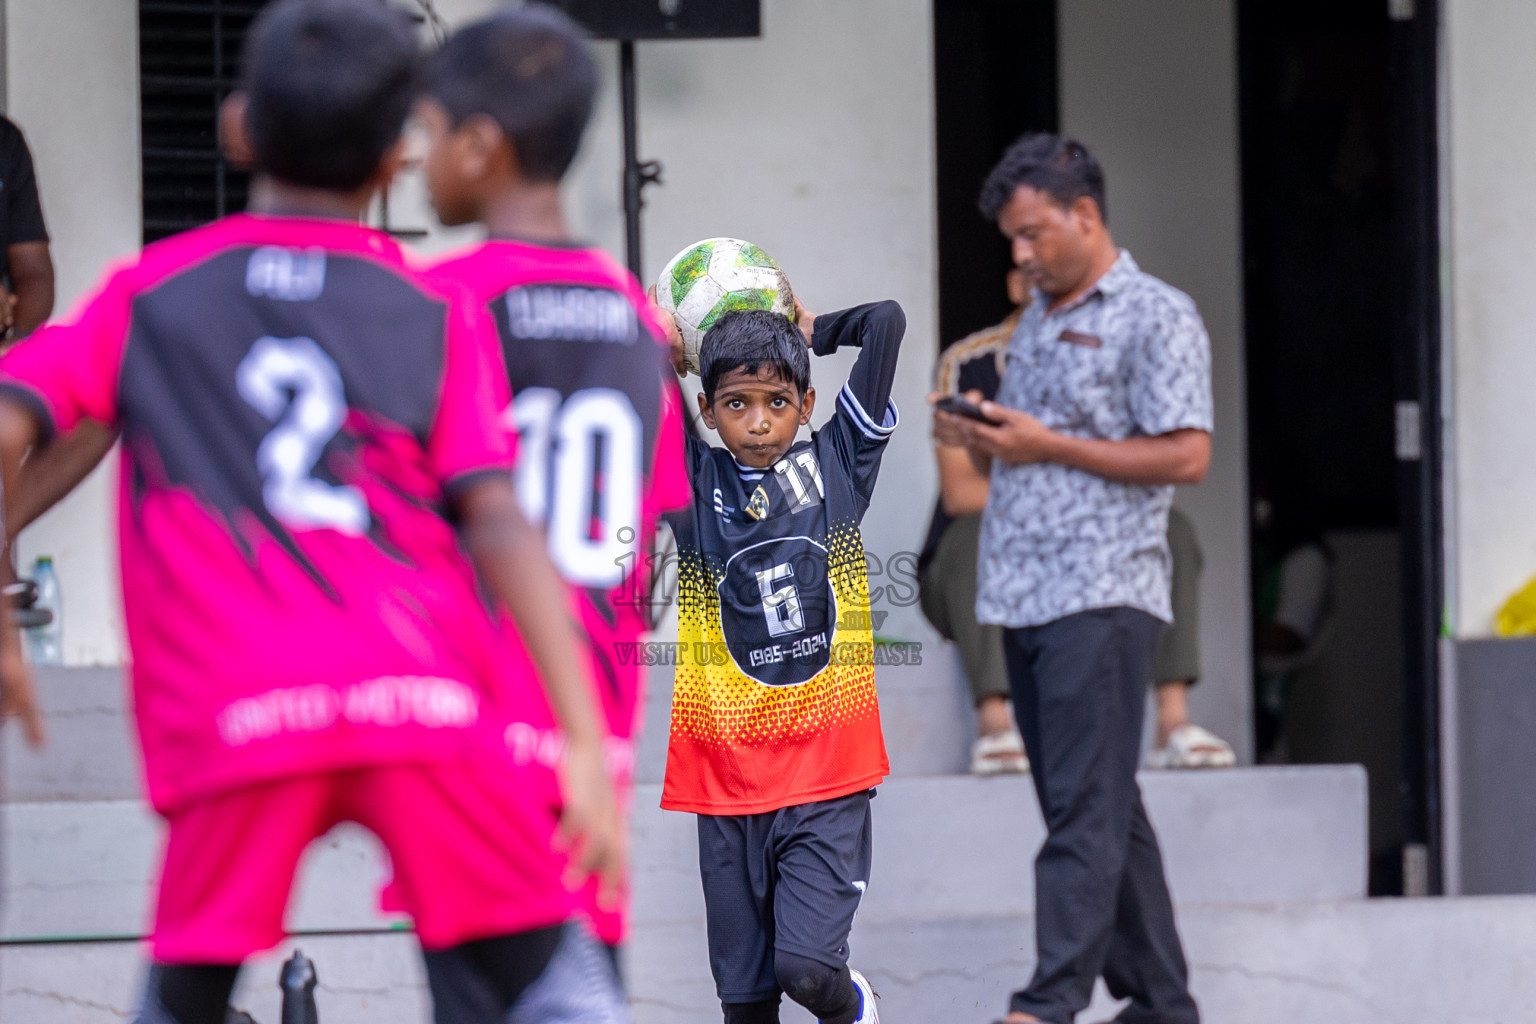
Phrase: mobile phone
(961, 407)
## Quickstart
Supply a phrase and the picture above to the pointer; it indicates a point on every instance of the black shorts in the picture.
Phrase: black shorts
(785, 880)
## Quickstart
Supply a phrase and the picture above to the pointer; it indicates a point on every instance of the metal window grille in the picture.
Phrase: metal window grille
(188, 62)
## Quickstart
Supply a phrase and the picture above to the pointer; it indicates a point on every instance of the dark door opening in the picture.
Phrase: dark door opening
(1342, 348)
(994, 79)
(188, 61)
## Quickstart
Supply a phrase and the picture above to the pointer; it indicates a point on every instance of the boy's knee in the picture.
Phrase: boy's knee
(821, 989)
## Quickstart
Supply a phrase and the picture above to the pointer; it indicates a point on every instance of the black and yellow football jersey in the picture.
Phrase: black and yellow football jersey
(774, 697)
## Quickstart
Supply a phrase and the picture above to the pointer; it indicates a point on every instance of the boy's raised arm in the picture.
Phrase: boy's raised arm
(49, 475)
(876, 329)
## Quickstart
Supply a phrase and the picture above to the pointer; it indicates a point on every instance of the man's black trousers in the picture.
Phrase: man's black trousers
(1101, 901)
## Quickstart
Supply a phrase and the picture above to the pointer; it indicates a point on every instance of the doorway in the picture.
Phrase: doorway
(994, 80)
(1340, 251)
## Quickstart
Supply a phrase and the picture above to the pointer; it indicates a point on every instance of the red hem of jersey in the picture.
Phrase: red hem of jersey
(762, 807)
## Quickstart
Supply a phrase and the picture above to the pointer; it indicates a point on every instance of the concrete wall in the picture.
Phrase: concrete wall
(1151, 87)
(844, 202)
(1488, 140)
(816, 142)
(840, 192)
(71, 73)
(826, 160)
(1489, 146)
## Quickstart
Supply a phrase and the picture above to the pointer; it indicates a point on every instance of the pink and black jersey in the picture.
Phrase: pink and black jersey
(598, 418)
(296, 407)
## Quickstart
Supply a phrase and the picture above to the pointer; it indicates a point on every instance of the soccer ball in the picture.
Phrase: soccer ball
(718, 276)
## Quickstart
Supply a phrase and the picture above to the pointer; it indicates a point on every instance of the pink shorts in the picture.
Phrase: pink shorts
(544, 748)
(469, 845)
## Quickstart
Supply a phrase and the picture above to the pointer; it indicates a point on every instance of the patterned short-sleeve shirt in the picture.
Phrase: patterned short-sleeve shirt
(1129, 359)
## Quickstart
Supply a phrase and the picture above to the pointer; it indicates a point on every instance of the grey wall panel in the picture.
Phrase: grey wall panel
(1496, 702)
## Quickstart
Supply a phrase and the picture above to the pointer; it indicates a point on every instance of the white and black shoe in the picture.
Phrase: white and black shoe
(867, 1013)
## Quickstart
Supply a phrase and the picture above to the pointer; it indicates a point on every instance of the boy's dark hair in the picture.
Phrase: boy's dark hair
(752, 340)
(1060, 167)
(330, 83)
(529, 70)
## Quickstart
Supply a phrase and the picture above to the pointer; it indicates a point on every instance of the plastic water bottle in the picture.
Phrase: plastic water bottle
(45, 644)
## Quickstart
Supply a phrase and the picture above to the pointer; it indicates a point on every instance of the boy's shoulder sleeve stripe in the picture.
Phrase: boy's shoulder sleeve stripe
(865, 422)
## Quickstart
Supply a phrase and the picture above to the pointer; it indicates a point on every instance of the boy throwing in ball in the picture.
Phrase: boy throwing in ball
(775, 740)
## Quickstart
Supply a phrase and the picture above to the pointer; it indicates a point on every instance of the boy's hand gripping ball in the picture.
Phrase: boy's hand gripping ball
(718, 276)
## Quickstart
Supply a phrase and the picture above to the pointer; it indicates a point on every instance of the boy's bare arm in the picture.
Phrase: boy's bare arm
(963, 487)
(510, 555)
(32, 284)
(18, 695)
(48, 475)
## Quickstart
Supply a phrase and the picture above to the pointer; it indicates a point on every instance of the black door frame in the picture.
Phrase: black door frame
(995, 77)
(1414, 41)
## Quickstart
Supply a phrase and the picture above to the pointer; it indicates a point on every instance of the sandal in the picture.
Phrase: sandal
(1190, 746)
(1002, 753)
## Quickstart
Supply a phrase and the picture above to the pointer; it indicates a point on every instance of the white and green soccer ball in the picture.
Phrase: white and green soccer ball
(714, 277)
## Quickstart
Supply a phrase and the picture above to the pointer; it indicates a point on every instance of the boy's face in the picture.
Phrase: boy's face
(757, 415)
(455, 164)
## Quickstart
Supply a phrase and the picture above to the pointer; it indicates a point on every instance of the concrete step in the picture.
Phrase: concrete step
(1362, 961)
(949, 845)
(925, 712)
(959, 846)
(85, 869)
(92, 754)
(364, 979)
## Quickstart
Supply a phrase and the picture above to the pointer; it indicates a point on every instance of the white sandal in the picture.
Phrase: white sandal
(1002, 753)
(1191, 746)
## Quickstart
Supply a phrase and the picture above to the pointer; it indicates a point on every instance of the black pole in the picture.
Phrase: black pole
(634, 174)
(637, 173)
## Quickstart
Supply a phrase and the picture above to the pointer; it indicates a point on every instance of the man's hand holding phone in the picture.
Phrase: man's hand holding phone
(957, 405)
(994, 431)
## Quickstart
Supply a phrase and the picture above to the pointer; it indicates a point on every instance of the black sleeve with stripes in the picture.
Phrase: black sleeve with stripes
(876, 329)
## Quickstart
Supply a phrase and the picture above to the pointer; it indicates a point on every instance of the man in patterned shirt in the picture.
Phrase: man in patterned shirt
(1105, 404)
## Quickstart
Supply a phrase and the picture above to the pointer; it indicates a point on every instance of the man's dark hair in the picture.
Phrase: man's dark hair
(754, 340)
(1060, 167)
(529, 70)
(330, 83)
